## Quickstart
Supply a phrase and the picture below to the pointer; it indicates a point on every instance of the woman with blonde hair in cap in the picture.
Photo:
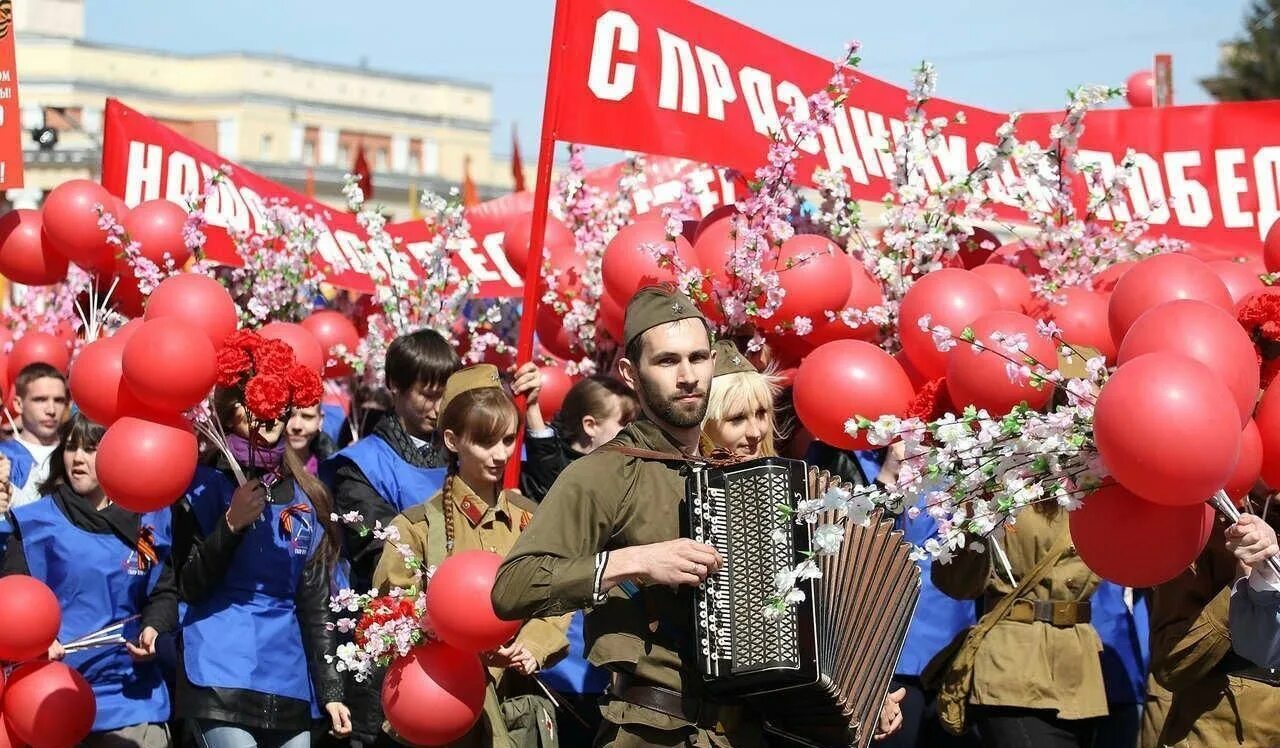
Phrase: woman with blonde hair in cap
(478, 423)
(740, 416)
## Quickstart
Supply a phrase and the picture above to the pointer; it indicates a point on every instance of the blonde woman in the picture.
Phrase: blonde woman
(739, 406)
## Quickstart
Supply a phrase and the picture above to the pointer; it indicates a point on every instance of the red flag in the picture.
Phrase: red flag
(517, 167)
(364, 175)
(470, 196)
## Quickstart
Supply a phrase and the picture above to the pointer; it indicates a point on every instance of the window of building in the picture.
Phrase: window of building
(265, 142)
(380, 159)
(311, 146)
(344, 156)
(415, 156)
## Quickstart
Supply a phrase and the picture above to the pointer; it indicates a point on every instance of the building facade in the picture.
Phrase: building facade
(293, 121)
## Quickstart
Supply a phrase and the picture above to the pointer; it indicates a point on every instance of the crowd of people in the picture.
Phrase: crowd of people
(230, 640)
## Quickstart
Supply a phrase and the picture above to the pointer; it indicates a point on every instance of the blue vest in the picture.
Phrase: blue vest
(246, 634)
(21, 461)
(333, 417)
(1124, 652)
(99, 580)
(574, 674)
(402, 485)
(938, 617)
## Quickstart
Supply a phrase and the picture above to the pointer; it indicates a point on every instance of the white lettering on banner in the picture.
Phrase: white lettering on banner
(757, 94)
(146, 165)
(953, 156)
(351, 247)
(256, 207)
(1147, 191)
(1106, 166)
(182, 178)
(1231, 186)
(679, 77)
(793, 100)
(1190, 199)
(1266, 177)
(609, 80)
(840, 150)
(872, 135)
(700, 182)
(718, 82)
(477, 262)
(327, 246)
(493, 247)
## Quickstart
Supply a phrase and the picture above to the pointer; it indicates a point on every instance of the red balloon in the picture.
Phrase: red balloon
(610, 317)
(127, 330)
(977, 248)
(1268, 421)
(788, 349)
(917, 379)
(1167, 429)
(557, 238)
(144, 465)
(306, 349)
(435, 695)
(1172, 537)
(331, 330)
(981, 378)
(49, 705)
(23, 256)
(1083, 320)
(198, 300)
(1018, 256)
(1271, 248)
(9, 738)
(30, 617)
(71, 222)
(724, 211)
(627, 267)
(1140, 89)
(815, 274)
(97, 378)
(1011, 286)
(864, 293)
(952, 298)
(555, 385)
(1240, 278)
(713, 248)
(169, 365)
(552, 333)
(1205, 333)
(459, 606)
(38, 348)
(157, 227)
(1158, 279)
(1249, 466)
(844, 379)
(1105, 282)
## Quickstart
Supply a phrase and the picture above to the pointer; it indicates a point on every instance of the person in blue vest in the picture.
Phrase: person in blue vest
(307, 440)
(1120, 616)
(40, 400)
(254, 576)
(105, 564)
(400, 464)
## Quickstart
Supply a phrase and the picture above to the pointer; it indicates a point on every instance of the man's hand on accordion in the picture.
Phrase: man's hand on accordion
(891, 714)
(672, 563)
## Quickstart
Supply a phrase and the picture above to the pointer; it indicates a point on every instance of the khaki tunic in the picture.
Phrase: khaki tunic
(1190, 637)
(604, 501)
(478, 526)
(1032, 665)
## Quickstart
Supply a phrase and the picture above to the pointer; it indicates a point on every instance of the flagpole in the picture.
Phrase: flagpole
(541, 199)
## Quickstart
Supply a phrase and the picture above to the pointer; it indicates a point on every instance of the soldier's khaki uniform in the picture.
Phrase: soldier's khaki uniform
(516, 714)
(1213, 704)
(603, 501)
(1030, 663)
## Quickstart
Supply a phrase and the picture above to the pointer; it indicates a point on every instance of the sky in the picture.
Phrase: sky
(996, 54)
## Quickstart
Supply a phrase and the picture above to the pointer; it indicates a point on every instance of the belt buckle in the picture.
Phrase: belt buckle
(1061, 614)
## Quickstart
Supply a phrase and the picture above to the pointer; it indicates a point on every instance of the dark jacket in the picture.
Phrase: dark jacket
(205, 562)
(545, 457)
(161, 610)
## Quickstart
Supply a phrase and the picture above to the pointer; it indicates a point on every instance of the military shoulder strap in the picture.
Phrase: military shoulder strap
(715, 459)
(437, 540)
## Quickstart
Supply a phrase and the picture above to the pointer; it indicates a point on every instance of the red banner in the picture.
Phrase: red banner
(10, 114)
(668, 76)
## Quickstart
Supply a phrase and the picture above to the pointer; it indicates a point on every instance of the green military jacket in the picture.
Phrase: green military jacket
(603, 501)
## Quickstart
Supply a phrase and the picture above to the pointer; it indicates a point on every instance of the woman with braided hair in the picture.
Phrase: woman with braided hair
(478, 423)
(105, 564)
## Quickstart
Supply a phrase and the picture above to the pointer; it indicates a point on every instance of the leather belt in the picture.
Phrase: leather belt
(1053, 612)
(628, 688)
(1234, 664)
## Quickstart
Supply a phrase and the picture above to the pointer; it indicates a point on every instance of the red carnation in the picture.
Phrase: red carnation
(267, 397)
(274, 358)
(245, 340)
(931, 401)
(307, 387)
(233, 363)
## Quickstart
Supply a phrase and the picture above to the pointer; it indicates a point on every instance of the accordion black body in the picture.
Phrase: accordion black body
(818, 673)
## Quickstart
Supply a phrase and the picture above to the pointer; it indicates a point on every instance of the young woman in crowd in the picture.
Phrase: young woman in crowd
(307, 440)
(255, 571)
(478, 423)
(739, 406)
(105, 564)
(593, 412)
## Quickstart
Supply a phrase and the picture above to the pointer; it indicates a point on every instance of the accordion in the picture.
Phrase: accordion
(819, 673)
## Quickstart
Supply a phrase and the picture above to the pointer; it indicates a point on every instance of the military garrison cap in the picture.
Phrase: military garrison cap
(477, 377)
(653, 306)
(729, 360)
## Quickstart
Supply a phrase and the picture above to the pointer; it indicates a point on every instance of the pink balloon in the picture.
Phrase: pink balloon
(1140, 89)
(628, 266)
(981, 378)
(1011, 286)
(1240, 278)
(844, 379)
(1158, 279)
(814, 272)
(864, 293)
(952, 298)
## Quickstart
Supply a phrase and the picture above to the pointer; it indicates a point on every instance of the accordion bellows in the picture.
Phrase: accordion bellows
(819, 673)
